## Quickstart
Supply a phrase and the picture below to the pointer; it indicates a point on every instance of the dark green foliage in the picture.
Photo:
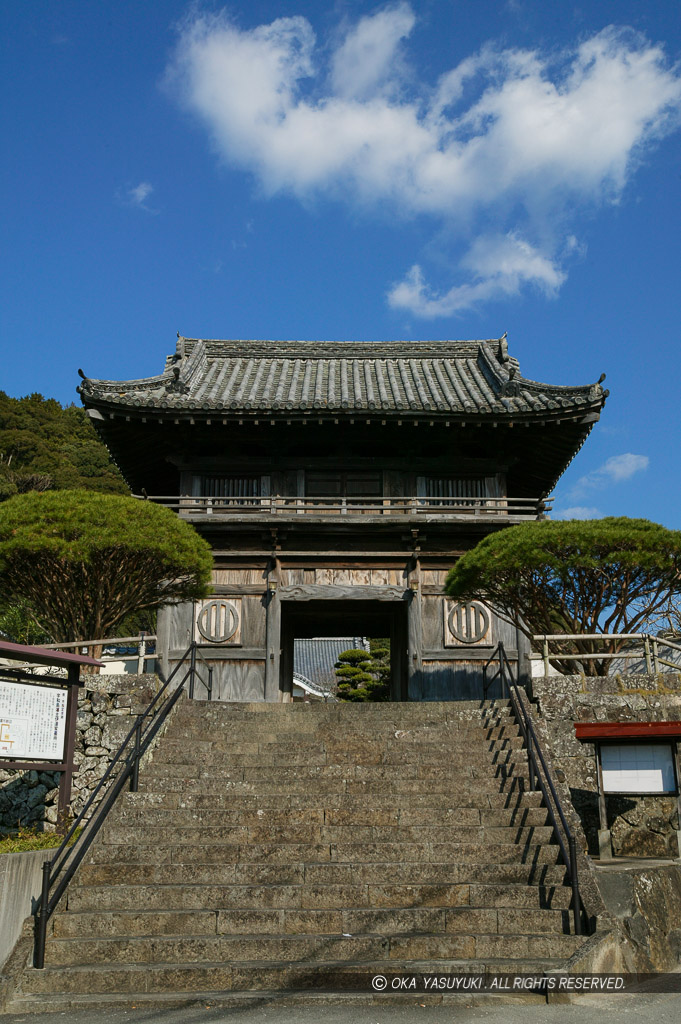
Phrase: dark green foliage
(18, 625)
(82, 563)
(579, 576)
(44, 447)
(365, 675)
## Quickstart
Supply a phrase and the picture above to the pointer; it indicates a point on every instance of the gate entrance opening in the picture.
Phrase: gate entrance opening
(303, 620)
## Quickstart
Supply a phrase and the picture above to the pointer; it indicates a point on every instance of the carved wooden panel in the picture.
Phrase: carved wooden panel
(218, 621)
(466, 623)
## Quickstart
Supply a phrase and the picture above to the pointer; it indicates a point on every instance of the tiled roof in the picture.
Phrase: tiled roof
(274, 377)
(315, 659)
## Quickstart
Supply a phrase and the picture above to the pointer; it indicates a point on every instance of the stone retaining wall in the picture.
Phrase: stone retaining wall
(642, 826)
(107, 706)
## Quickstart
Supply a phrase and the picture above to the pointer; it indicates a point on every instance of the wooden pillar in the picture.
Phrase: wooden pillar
(677, 755)
(273, 633)
(604, 835)
(415, 635)
(69, 742)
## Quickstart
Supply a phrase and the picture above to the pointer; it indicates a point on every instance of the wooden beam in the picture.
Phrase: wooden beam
(273, 632)
(415, 635)
(340, 592)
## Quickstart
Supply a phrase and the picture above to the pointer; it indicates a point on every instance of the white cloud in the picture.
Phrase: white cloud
(136, 195)
(366, 60)
(577, 512)
(510, 137)
(614, 470)
(498, 265)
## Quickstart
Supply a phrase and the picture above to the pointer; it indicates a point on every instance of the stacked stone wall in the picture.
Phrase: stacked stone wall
(107, 706)
(642, 826)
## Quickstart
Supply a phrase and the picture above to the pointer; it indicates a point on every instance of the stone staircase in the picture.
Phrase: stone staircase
(289, 848)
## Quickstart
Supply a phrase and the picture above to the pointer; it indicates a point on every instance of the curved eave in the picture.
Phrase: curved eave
(585, 410)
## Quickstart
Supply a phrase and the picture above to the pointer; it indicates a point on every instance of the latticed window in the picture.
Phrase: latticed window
(230, 486)
(342, 485)
(452, 487)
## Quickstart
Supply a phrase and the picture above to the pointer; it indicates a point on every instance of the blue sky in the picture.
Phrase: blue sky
(353, 170)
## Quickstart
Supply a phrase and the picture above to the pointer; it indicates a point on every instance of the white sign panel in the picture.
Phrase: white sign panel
(32, 721)
(637, 768)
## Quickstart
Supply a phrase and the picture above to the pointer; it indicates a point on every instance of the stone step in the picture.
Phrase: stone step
(209, 983)
(507, 900)
(475, 780)
(415, 909)
(347, 711)
(283, 746)
(395, 763)
(359, 814)
(198, 835)
(318, 755)
(325, 873)
(291, 853)
(514, 798)
(240, 738)
(168, 950)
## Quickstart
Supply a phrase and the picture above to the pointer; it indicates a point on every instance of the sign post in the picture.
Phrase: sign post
(38, 714)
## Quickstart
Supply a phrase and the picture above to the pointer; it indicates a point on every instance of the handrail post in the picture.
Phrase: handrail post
(656, 657)
(41, 923)
(646, 648)
(545, 656)
(577, 908)
(134, 778)
(192, 670)
(141, 651)
(530, 761)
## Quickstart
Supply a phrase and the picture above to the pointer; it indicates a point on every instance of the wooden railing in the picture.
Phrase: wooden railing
(649, 649)
(140, 642)
(517, 508)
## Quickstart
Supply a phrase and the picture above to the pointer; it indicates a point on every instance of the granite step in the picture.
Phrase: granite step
(359, 814)
(482, 854)
(264, 948)
(543, 903)
(324, 872)
(273, 845)
(514, 798)
(55, 988)
(199, 834)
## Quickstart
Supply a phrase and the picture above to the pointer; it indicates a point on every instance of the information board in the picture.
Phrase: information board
(637, 768)
(32, 721)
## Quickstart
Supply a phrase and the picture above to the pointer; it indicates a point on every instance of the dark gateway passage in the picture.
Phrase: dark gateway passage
(346, 618)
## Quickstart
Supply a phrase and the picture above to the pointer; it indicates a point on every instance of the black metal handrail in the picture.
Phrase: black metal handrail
(124, 767)
(208, 683)
(535, 761)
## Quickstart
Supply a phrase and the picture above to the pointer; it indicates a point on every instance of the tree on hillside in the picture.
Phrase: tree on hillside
(578, 576)
(44, 446)
(82, 562)
(365, 675)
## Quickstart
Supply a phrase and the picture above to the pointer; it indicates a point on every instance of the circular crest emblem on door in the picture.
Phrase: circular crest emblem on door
(468, 622)
(218, 621)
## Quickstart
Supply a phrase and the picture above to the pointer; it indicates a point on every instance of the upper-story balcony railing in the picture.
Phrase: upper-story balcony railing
(284, 505)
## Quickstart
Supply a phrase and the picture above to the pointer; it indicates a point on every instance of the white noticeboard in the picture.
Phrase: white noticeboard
(32, 721)
(637, 768)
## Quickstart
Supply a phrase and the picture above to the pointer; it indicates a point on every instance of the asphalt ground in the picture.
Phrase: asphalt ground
(658, 1008)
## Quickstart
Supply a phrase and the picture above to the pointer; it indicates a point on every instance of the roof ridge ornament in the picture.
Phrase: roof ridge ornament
(176, 386)
(510, 388)
(502, 354)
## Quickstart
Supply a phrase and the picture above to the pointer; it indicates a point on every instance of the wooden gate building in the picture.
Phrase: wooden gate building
(337, 483)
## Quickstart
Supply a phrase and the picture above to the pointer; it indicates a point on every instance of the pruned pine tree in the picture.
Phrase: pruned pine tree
(81, 563)
(365, 675)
